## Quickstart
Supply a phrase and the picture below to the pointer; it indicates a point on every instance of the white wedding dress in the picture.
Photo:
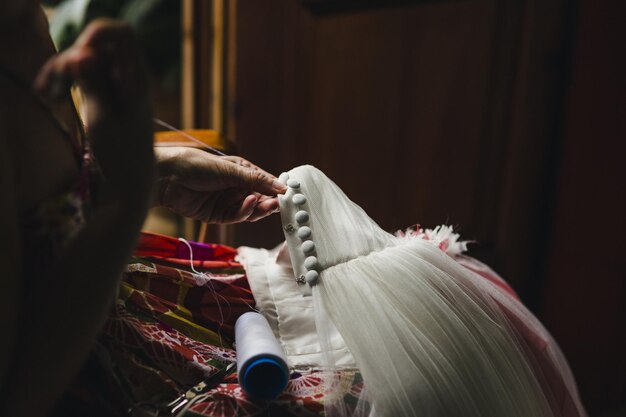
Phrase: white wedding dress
(429, 336)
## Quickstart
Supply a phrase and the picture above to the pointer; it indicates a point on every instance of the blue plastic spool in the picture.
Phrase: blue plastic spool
(264, 378)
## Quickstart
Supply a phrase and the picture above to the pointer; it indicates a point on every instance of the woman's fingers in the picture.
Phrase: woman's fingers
(244, 178)
(263, 209)
(85, 67)
(104, 61)
(234, 208)
(245, 163)
(245, 210)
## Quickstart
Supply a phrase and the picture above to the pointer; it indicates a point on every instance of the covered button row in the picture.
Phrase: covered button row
(304, 232)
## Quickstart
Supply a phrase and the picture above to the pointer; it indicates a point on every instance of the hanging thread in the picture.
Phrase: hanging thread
(188, 136)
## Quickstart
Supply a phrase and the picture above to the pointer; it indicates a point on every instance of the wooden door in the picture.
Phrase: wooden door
(423, 112)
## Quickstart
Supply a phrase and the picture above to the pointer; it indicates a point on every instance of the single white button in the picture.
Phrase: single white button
(311, 263)
(283, 177)
(304, 232)
(293, 183)
(298, 199)
(312, 277)
(308, 247)
(302, 217)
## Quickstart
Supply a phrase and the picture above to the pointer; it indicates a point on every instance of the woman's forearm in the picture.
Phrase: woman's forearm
(68, 308)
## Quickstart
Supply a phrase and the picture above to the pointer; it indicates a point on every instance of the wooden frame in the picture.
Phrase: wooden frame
(204, 83)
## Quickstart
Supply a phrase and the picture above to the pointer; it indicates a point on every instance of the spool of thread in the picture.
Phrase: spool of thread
(261, 363)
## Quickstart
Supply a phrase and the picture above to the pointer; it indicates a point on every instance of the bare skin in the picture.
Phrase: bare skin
(214, 189)
(60, 318)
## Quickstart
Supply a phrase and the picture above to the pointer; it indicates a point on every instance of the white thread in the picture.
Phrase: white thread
(216, 296)
(212, 289)
(188, 136)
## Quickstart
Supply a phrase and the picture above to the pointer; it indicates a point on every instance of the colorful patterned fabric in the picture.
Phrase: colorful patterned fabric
(173, 327)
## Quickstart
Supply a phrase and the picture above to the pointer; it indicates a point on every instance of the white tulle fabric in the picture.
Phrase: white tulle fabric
(429, 336)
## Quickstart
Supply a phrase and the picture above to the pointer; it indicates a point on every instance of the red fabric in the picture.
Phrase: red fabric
(173, 249)
(541, 349)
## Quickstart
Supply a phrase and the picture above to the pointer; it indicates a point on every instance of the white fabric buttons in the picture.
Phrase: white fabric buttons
(308, 247)
(283, 177)
(312, 277)
(302, 217)
(311, 263)
(298, 199)
(293, 183)
(295, 216)
(304, 232)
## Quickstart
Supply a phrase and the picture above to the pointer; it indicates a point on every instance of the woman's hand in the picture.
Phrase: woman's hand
(105, 62)
(214, 189)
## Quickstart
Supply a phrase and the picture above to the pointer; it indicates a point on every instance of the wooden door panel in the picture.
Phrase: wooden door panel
(428, 112)
(393, 104)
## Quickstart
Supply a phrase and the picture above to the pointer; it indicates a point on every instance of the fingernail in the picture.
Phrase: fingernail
(279, 186)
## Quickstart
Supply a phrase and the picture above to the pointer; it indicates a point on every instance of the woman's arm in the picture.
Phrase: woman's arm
(46, 338)
(60, 318)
